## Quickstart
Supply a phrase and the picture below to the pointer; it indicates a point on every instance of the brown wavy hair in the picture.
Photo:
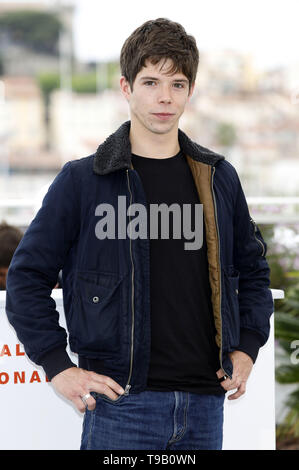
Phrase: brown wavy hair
(10, 237)
(155, 40)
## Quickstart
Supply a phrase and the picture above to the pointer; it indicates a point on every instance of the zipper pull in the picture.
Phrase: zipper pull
(254, 224)
(127, 389)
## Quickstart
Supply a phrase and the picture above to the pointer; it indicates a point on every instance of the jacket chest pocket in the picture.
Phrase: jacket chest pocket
(98, 301)
(232, 323)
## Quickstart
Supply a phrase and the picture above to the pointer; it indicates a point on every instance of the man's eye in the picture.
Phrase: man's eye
(180, 85)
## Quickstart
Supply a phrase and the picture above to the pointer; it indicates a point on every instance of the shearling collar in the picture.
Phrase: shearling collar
(115, 152)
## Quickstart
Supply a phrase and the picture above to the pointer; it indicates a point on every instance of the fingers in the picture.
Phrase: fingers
(230, 384)
(239, 377)
(74, 383)
(77, 397)
(104, 384)
(220, 373)
(104, 389)
(82, 402)
(234, 383)
(89, 401)
(226, 382)
(80, 405)
(241, 390)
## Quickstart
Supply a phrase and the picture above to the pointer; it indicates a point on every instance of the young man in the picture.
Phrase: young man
(162, 330)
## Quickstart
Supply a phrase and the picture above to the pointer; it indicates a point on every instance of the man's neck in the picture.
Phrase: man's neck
(149, 144)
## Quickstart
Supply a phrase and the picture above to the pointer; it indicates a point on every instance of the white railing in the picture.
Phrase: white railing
(286, 209)
(20, 211)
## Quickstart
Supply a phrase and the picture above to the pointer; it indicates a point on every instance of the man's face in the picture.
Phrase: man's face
(155, 92)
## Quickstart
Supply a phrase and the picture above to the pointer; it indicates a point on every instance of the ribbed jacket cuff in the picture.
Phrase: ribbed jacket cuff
(55, 361)
(250, 343)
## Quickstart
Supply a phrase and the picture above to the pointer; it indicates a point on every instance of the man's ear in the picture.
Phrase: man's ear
(125, 87)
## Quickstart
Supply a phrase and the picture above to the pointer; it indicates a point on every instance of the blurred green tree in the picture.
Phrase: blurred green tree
(284, 275)
(35, 30)
(226, 134)
(287, 332)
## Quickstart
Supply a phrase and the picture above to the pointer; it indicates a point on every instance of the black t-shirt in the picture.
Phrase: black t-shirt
(184, 354)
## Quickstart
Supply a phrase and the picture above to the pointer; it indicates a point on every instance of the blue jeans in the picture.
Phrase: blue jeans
(154, 420)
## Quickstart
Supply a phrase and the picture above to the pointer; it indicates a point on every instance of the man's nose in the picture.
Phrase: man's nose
(165, 95)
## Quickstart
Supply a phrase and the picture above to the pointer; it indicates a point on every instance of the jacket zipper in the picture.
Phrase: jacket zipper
(257, 239)
(216, 218)
(128, 386)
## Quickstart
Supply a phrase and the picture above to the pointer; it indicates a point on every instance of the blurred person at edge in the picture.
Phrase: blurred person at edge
(161, 332)
(10, 237)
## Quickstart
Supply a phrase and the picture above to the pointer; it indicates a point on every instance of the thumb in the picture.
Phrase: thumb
(220, 373)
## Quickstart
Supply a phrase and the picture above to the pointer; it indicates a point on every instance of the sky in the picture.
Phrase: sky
(266, 29)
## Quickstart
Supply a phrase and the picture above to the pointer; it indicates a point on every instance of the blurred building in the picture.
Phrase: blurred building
(227, 72)
(24, 123)
(80, 122)
(23, 112)
(247, 114)
(18, 60)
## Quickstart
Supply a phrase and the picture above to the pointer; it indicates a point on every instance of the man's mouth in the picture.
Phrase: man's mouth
(163, 116)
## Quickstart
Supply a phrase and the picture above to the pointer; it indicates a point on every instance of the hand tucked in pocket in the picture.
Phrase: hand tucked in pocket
(242, 365)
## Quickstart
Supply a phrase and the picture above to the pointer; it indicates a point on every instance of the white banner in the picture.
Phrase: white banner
(35, 417)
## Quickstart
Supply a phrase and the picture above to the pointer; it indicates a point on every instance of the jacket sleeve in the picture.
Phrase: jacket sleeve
(33, 273)
(255, 296)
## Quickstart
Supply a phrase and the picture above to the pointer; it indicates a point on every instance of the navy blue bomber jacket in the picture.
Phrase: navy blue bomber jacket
(106, 282)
